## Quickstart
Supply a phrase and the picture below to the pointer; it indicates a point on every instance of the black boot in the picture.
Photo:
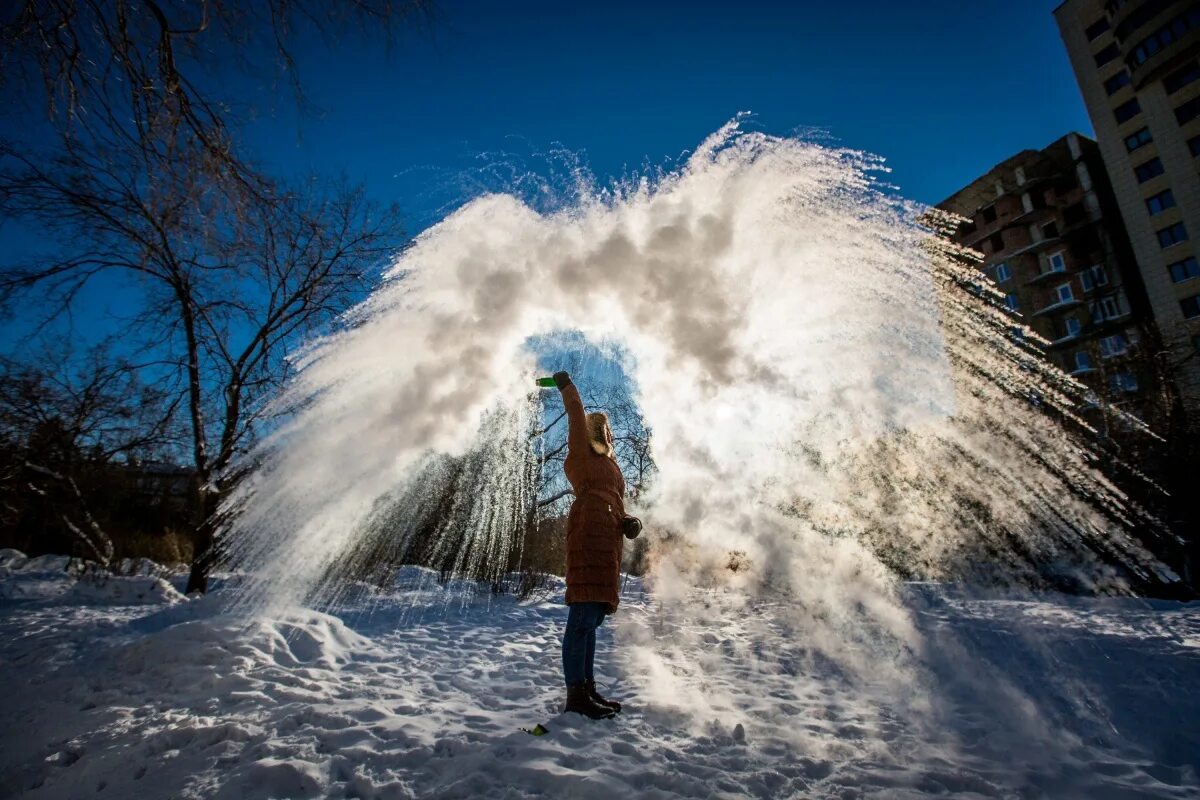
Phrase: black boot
(599, 700)
(579, 702)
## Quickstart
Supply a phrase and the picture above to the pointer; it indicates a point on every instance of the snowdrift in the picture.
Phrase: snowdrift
(66, 580)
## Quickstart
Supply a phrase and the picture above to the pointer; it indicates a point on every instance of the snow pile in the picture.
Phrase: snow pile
(145, 566)
(16, 561)
(61, 579)
(11, 559)
(40, 578)
(107, 589)
(186, 689)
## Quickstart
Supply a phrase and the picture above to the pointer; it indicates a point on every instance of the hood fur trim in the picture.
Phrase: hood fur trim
(597, 421)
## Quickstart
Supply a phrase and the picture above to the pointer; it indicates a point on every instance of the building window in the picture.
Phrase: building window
(1083, 360)
(1172, 235)
(1148, 169)
(1160, 202)
(967, 228)
(1194, 145)
(1010, 301)
(1113, 84)
(1139, 139)
(1057, 262)
(1190, 306)
(1093, 277)
(1107, 54)
(1064, 294)
(1188, 111)
(1162, 37)
(1073, 326)
(1002, 272)
(1180, 77)
(996, 241)
(1184, 270)
(1110, 307)
(1050, 230)
(988, 214)
(1130, 109)
(1113, 345)
(1137, 17)
(1096, 28)
(1122, 382)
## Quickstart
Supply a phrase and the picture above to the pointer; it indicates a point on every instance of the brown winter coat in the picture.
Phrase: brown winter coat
(594, 533)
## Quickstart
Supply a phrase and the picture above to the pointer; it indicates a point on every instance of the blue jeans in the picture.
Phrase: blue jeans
(579, 641)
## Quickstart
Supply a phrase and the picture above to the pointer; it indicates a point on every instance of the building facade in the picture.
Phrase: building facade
(1138, 67)
(1047, 225)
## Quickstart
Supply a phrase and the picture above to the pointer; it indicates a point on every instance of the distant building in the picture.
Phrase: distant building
(1137, 65)
(1048, 227)
(170, 483)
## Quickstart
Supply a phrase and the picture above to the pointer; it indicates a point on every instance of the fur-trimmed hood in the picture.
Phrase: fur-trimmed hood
(597, 422)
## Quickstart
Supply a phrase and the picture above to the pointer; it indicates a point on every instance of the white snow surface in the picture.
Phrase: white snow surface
(420, 692)
(122, 590)
(59, 577)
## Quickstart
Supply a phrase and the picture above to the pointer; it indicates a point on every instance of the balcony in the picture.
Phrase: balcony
(1025, 217)
(1103, 322)
(1050, 273)
(1168, 37)
(1070, 338)
(1061, 305)
(1035, 246)
(1120, 12)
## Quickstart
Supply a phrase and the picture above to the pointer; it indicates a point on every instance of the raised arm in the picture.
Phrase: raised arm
(577, 432)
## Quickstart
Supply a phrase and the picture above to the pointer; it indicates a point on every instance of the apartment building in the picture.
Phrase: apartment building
(1048, 227)
(1138, 67)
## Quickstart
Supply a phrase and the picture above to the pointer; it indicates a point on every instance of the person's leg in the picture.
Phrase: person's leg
(574, 650)
(597, 614)
(589, 671)
(581, 629)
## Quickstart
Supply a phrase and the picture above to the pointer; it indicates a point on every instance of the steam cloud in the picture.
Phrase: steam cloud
(815, 395)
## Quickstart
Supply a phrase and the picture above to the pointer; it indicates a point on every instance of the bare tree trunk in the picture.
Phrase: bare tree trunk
(204, 496)
(204, 551)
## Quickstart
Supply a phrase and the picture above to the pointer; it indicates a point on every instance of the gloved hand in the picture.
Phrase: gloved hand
(631, 527)
(562, 379)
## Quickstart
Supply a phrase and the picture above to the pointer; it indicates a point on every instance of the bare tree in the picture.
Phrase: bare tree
(148, 69)
(145, 188)
(223, 296)
(62, 419)
(98, 399)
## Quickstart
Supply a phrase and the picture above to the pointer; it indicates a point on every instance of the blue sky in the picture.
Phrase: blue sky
(943, 93)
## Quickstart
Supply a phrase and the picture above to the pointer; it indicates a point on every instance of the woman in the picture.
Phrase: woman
(594, 545)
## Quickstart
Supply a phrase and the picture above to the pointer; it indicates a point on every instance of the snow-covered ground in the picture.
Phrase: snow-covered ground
(123, 688)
